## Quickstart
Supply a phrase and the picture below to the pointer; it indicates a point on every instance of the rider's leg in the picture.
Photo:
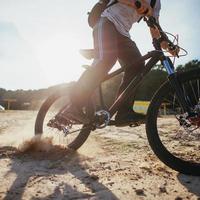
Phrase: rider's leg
(105, 45)
(128, 53)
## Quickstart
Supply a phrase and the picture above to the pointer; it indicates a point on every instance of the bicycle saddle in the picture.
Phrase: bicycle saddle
(87, 53)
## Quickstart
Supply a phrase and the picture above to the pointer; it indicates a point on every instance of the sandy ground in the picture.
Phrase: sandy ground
(114, 163)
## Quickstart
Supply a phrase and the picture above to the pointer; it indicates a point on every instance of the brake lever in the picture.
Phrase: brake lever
(173, 47)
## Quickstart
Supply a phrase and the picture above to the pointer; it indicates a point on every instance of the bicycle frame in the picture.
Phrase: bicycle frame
(154, 57)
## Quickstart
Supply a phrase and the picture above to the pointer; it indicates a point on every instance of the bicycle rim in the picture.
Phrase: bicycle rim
(173, 137)
(78, 133)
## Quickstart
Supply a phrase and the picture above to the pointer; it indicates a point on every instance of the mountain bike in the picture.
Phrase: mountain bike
(173, 132)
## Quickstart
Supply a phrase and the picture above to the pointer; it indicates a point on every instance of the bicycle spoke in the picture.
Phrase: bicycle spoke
(193, 92)
(187, 98)
(198, 90)
(59, 131)
(177, 133)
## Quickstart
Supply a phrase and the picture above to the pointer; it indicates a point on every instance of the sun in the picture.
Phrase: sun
(59, 59)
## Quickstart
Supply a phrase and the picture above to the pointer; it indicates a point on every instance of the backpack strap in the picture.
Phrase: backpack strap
(153, 3)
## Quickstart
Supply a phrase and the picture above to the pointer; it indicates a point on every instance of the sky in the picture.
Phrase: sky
(40, 39)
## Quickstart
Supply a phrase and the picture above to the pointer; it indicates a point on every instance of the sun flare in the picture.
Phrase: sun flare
(59, 58)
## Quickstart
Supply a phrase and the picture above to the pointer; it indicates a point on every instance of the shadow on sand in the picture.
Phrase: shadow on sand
(192, 183)
(37, 170)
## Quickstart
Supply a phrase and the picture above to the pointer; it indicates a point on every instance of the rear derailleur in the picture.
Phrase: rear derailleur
(61, 124)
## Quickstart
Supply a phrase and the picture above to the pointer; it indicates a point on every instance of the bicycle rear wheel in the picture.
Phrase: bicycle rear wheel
(173, 137)
(78, 133)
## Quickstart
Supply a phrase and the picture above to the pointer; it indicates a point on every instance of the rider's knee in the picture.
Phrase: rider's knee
(104, 64)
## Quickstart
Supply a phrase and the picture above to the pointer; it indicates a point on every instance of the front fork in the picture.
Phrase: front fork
(176, 85)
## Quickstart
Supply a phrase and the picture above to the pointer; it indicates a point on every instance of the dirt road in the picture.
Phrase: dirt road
(115, 163)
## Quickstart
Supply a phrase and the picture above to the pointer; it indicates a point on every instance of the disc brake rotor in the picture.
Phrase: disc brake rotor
(195, 121)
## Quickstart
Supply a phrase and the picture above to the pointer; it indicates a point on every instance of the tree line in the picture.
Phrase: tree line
(32, 99)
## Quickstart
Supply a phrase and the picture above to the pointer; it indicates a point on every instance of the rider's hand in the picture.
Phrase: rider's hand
(172, 49)
(145, 8)
(175, 51)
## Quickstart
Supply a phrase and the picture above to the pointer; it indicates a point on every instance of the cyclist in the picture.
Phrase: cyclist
(112, 42)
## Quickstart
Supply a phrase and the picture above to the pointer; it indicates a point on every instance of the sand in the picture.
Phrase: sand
(114, 163)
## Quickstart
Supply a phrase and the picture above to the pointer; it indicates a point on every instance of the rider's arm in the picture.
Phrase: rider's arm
(155, 33)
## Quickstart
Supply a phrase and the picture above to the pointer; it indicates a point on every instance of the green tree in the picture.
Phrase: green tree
(194, 64)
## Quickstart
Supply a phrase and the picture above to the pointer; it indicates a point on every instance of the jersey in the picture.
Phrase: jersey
(124, 16)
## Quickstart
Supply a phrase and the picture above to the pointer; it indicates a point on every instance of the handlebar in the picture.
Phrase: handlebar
(151, 22)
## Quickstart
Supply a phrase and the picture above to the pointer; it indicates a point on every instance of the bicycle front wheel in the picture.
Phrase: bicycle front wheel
(174, 137)
(78, 132)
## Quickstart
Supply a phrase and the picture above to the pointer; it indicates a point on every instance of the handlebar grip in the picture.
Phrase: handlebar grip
(138, 4)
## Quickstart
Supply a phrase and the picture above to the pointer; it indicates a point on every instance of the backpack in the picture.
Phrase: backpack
(95, 14)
